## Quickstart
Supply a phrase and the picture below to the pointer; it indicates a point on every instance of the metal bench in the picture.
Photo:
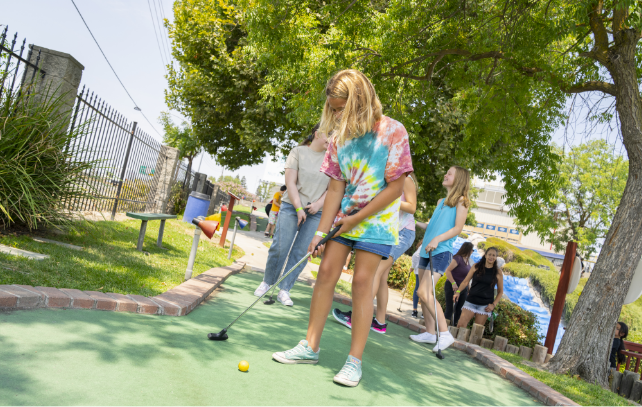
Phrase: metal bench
(145, 217)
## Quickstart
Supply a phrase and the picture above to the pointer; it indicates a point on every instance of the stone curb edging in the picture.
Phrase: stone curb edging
(178, 301)
(505, 369)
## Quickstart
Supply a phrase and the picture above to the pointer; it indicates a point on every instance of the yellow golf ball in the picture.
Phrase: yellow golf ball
(244, 365)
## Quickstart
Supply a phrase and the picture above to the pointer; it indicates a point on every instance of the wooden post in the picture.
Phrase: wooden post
(539, 354)
(615, 380)
(463, 334)
(560, 296)
(453, 331)
(486, 343)
(477, 334)
(500, 343)
(512, 349)
(525, 352)
(227, 220)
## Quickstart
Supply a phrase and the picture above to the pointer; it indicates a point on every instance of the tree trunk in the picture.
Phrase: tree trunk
(586, 345)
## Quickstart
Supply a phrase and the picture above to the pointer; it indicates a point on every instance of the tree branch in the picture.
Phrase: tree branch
(599, 32)
(590, 86)
(344, 11)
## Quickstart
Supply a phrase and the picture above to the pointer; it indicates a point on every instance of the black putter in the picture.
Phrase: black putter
(222, 336)
(271, 301)
(434, 296)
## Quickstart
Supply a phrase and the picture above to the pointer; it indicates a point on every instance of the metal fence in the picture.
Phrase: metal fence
(126, 159)
(13, 66)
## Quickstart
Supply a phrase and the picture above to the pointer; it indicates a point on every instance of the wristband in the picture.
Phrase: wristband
(319, 233)
(299, 209)
(458, 292)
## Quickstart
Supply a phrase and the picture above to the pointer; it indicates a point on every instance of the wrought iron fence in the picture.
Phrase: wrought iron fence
(126, 159)
(14, 66)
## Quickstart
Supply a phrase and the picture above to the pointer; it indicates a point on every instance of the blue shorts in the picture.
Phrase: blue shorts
(406, 239)
(381, 249)
(440, 262)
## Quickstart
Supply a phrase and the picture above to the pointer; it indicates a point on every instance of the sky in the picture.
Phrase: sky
(127, 34)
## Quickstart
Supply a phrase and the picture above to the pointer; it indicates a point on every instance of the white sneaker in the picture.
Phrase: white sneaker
(425, 337)
(263, 288)
(284, 298)
(445, 340)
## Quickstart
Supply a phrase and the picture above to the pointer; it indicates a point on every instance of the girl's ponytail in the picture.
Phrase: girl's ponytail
(460, 188)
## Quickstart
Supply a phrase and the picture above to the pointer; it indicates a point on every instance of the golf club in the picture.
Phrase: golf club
(404, 289)
(271, 301)
(222, 336)
(434, 296)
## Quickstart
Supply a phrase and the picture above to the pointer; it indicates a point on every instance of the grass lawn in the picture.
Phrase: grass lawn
(110, 261)
(261, 223)
(579, 391)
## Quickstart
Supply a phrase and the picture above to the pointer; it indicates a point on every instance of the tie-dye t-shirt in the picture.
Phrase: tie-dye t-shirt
(367, 164)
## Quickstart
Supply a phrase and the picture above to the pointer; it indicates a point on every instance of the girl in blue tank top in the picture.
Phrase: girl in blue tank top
(446, 223)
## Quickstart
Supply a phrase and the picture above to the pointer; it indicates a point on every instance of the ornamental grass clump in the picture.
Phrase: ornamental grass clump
(37, 173)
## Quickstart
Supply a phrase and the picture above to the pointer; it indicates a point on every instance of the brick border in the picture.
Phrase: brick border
(503, 368)
(178, 301)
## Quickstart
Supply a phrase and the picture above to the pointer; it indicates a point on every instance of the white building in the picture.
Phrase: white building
(493, 220)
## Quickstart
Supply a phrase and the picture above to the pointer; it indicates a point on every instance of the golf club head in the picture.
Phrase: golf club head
(269, 302)
(439, 355)
(221, 336)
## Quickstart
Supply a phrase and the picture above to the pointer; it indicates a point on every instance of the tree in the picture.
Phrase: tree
(244, 182)
(219, 88)
(180, 137)
(592, 181)
(481, 83)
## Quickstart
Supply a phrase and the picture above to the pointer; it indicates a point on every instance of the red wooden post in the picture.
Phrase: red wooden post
(227, 219)
(560, 296)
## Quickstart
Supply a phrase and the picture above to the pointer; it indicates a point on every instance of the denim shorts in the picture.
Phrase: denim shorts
(440, 262)
(477, 309)
(406, 239)
(381, 249)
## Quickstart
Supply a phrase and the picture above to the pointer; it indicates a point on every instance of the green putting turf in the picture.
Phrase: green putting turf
(77, 357)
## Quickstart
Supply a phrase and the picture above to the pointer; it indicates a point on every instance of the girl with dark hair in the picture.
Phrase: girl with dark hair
(480, 302)
(302, 206)
(456, 273)
(621, 332)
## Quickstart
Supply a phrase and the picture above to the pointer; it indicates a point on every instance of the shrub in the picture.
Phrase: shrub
(399, 272)
(37, 172)
(511, 253)
(519, 326)
(546, 282)
(177, 199)
(463, 235)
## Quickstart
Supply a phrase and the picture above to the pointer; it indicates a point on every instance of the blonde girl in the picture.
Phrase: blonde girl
(446, 223)
(367, 161)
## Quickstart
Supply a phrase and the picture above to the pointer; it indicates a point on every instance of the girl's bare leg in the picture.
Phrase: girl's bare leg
(480, 319)
(329, 273)
(464, 319)
(380, 288)
(425, 295)
(362, 296)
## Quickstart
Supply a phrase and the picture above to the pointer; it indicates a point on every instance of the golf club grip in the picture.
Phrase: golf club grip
(305, 210)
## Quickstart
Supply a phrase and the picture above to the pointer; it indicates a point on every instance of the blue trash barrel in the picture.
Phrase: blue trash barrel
(197, 205)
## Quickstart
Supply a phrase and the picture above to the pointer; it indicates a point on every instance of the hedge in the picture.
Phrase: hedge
(511, 253)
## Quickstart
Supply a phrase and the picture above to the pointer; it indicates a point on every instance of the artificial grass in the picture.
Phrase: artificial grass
(244, 213)
(581, 392)
(110, 261)
(343, 287)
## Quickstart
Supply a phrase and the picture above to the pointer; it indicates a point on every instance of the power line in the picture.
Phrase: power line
(112, 68)
(160, 30)
(160, 6)
(156, 35)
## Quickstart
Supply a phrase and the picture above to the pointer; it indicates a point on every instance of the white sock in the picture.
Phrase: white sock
(378, 321)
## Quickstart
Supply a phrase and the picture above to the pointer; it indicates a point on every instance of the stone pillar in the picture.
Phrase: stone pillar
(500, 343)
(539, 354)
(62, 76)
(213, 200)
(168, 160)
